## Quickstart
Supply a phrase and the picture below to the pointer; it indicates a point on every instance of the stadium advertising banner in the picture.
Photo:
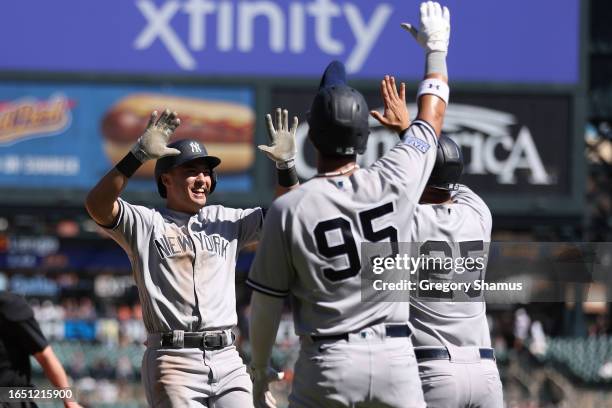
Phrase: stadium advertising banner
(511, 147)
(288, 38)
(68, 136)
(50, 253)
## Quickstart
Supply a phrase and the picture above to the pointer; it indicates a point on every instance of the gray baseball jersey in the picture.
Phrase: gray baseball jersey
(458, 230)
(184, 265)
(463, 229)
(310, 248)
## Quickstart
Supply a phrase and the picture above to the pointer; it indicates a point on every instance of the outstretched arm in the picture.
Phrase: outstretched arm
(101, 202)
(432, 97)
(409, 164)
(282, 149)
(270, 276)
(54, 371)
(265, 318)
(433, 35)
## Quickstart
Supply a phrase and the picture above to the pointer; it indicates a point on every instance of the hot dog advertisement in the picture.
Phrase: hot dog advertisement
(225, 128)
(68, 136)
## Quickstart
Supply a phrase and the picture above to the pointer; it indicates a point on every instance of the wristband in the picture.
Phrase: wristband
(434, 86)
(284, 165)
(128, 165)
(140, 154)
(287, 177)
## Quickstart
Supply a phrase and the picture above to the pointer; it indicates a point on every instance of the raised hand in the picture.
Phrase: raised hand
(153, 142)
(282, 148)
(395, 116)
(434, 31)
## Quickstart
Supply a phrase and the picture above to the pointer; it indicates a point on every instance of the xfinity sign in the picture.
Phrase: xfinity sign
(286, 28)
(288, 38)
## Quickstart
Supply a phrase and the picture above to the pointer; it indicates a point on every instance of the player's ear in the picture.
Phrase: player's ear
(165, 179)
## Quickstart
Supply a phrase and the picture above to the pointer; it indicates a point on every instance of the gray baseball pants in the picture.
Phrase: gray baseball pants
(368, 370)
(192, 377)
(464, 381)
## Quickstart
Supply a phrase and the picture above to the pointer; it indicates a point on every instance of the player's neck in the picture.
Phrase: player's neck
(180, 207)
(335, 166)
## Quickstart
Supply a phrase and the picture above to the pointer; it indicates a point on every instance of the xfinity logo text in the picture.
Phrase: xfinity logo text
(484, 133)
(289, 28)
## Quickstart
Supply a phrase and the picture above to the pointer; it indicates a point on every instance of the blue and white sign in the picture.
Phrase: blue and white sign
(492, 41)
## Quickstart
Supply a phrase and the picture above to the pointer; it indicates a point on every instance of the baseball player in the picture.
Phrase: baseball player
(450, 331)
(352, 353)
(451, 338)
(183, 259)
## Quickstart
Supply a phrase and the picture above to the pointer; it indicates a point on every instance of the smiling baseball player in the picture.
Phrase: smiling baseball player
(352, 353)
(183, 259)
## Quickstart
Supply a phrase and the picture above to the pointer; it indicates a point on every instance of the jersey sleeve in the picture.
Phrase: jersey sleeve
(272, 271)
(31, 338)
(251, 222)
(410, 162)
(133, 223)
(17, 319)
(464, 195)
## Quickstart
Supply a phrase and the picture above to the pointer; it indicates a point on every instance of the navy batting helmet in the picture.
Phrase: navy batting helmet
(338, 116)
(190, 150)
(448, 167)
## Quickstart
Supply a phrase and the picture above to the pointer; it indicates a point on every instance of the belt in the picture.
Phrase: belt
(205, 340)
(392, 330)
(442, 354)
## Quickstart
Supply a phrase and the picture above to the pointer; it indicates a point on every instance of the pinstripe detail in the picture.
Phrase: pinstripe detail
(117, 220)
(266, 290)
(424, 126)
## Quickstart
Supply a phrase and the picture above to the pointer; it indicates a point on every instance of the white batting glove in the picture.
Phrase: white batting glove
(282, 148)
(261, 377)
(152, 144)
(434, 32)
